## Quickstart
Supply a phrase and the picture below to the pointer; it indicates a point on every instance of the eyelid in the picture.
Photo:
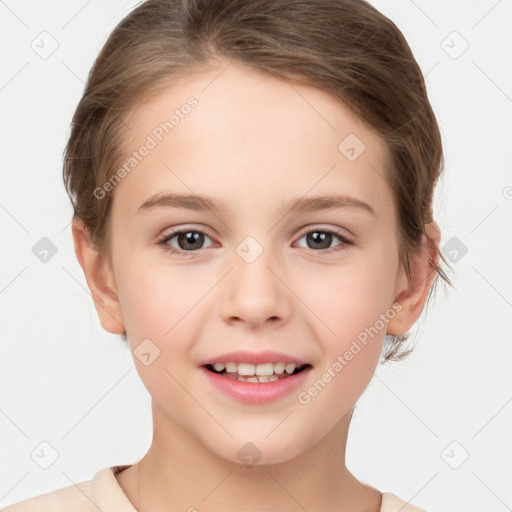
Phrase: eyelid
(165, 237)
(336, 231)
(339, 232)
(186, 229)
(303, 231)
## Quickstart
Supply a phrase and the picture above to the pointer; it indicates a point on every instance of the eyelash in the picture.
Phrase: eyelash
(169, 236)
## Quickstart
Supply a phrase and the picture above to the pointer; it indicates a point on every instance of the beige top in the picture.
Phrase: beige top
(104, 493)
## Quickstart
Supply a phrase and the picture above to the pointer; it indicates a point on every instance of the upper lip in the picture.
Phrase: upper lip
(243, 356)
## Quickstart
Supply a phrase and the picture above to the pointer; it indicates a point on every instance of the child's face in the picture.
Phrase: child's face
(255, 144)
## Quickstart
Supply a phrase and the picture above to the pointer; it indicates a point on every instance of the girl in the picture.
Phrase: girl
(252, 185)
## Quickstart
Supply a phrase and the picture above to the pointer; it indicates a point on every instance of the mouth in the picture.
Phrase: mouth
(264, 372)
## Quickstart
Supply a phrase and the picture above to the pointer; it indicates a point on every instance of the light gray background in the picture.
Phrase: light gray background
(66, 382)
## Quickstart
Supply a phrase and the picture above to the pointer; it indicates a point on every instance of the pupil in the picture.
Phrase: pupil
(320, 237)
(190, 238)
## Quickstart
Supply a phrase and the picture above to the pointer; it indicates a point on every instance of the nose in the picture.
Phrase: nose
(255, 293)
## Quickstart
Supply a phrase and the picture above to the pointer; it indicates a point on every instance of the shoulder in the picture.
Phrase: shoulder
(75, 497)
(101, 493)
(392, 503)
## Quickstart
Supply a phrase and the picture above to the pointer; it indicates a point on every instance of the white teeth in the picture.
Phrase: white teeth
(254, 378)
(231, 367)
(246, 369)
(265, 369)
(260, 370)
(290, 367)
(279, 368)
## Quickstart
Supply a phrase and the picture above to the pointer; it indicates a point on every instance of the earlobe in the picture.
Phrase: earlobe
(99, 280)
(413, 295)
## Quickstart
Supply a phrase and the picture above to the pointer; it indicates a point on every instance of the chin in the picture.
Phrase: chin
(258, 452)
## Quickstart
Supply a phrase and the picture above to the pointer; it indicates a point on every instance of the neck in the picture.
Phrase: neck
(179, 473)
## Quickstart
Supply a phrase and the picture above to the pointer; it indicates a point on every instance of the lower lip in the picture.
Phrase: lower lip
(256, 392)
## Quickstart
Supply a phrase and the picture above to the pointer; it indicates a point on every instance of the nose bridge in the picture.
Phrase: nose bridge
(255, 293)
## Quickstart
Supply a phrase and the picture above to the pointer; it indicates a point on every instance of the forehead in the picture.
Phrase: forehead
(243, 135)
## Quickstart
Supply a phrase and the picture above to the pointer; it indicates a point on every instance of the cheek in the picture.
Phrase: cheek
(166, 305)
(350, 297)
(157, 300)
(160, 308)
(352, 304)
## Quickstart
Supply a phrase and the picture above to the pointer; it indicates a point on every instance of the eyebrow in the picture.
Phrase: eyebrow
(297, 205)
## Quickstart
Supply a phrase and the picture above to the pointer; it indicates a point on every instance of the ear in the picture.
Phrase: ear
(100, 279)
(412, 296)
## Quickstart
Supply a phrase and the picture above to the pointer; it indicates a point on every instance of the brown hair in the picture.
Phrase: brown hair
(344, 47)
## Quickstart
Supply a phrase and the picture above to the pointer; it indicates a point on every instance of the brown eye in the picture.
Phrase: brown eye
(322, 239)
(187, 241)
(319, 240)
(190, 240)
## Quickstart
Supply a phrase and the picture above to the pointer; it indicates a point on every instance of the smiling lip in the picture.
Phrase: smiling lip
(256, 392)
(242, 356)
